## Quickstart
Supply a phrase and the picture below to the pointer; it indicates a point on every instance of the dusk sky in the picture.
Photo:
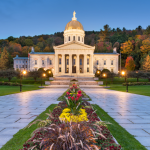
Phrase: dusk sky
(36, 17)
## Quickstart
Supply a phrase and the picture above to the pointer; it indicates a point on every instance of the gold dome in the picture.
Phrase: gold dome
(74, 24)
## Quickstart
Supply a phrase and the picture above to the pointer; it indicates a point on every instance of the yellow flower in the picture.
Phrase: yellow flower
(67, 117)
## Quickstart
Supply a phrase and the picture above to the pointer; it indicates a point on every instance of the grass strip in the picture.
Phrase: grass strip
(125, 139)
(23, 135)
(7, 89)
(138, 89)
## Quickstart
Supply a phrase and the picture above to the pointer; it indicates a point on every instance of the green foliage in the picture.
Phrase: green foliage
(4, 60)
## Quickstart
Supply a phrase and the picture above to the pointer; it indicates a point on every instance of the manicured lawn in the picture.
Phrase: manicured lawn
(6, 89)
(138, 89)
(125, 139)
(23, 135)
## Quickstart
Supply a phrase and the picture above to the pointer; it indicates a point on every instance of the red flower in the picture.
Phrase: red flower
(79, 92)
(68, 93)
(72, 98)
(79, 95)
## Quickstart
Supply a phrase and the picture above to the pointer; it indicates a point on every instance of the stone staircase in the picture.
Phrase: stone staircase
(66, 81)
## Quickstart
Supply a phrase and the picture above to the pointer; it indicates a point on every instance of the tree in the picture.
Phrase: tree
(147, 31)
(146, 63)
(47, 49)
(10, 73)
(127, 47)
(36, 49)
(4, 60)
(104, 34)
(28, 42)
(145, 48)
(35, 74)
(130, 64)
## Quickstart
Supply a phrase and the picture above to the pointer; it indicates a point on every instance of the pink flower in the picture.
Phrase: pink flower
(69, 97)
(79, 95)
(79, 92)
(72, 98)
(68, 93)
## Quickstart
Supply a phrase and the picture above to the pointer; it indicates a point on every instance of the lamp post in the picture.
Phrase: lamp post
(43, 75)
(124, 74)
(22, 73)
(105, 75)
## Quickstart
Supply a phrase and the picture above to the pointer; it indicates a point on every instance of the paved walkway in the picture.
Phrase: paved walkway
(17, 110)
(131, 111)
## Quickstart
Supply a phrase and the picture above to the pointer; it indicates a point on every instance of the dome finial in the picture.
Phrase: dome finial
(74, 16)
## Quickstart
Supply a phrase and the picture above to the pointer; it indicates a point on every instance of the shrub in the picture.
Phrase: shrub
(136, 83)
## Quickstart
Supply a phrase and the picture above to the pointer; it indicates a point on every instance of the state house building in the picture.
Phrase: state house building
(71, 58)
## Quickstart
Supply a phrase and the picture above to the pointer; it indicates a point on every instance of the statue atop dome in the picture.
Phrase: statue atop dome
(74, 16)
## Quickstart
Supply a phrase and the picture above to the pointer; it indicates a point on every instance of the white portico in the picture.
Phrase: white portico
(74, 58)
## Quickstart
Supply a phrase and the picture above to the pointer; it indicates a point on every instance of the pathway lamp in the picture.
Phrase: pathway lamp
(21, 75)
(43, 75)
(105, 75)
(124, 74)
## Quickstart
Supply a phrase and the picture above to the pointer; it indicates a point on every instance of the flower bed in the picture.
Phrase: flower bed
(70, 131)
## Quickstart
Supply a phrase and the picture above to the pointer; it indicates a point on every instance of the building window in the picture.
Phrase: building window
(22, 66)
(35, 62)
(67, 61)
(17, 61)
(87, 69)
(88, 61)
(80, 61)
(59, 69)
(19, 66)
(78, 38)
(112, 70)
(82, 39)
(42, 62)
(97, 62)
(69, 38)
(60, 61)
(74, 62)
(35, 69)
(67, 70)
(23, 61)
(50, 62)
(20, 61)
(112, 62)
(74, 38)
(26, 66)
(16, 66)
(26, 61)
(104, 62)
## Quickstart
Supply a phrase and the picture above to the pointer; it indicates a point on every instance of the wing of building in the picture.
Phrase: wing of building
(71, 58)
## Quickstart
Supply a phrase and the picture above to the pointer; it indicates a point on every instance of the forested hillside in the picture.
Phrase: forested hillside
(134, 43)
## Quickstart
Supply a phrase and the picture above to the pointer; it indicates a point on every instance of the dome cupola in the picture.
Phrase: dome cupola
(74, 31)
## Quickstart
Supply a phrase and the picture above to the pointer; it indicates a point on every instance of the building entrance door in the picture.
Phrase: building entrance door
(73, 69)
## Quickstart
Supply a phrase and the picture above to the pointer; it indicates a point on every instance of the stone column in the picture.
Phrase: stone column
(85, 63)
(56, 63)
(91, 63)
(70, 64)
(77, 64)
(63, 63)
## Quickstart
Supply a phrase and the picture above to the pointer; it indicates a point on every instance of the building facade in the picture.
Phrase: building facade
(73, 57)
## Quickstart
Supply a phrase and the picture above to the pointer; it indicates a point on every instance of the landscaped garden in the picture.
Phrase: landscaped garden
(73, 124)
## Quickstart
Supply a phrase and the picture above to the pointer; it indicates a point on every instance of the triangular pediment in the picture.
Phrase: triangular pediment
(74, 46)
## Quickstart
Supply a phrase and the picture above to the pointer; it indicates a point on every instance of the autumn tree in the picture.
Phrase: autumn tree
(130, 64)
(47, 49)
(4, 60)
(146, 63)
(36, 49)
(127, 47)
(104, 34)
(145, 48)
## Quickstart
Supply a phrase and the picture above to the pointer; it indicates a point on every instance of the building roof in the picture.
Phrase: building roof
(20, 58)
(42, 53)
(107, 53)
